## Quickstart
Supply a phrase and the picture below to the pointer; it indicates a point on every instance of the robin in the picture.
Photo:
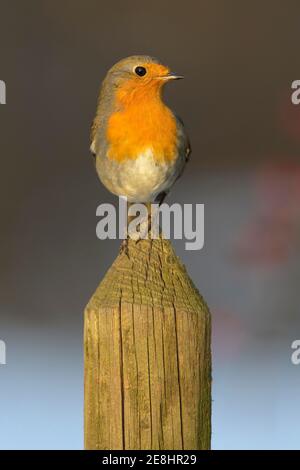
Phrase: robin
(140, 146)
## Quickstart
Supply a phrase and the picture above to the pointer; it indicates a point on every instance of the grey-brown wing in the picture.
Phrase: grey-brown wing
(184, 143)
(104, 105)
(184, 152)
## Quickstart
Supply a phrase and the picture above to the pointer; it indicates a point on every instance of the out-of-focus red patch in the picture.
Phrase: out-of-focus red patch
(271, 234)
(229, 334)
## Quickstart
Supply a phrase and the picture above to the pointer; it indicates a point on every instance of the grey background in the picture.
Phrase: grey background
(239, 59)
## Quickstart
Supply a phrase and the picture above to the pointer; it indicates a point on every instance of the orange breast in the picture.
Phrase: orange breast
(144, 122)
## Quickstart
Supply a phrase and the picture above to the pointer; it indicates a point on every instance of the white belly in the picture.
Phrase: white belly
(141, 179)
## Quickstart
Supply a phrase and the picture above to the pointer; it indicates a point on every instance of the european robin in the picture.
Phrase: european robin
(140, 146)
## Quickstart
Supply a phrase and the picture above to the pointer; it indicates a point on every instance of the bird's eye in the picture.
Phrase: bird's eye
(140, 71)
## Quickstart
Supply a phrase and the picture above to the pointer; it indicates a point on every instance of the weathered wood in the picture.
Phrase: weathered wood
(147, 355)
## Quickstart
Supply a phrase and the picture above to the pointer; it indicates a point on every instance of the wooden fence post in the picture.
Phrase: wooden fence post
(147, 355)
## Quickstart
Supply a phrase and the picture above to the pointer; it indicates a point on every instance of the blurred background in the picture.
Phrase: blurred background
(239, 60)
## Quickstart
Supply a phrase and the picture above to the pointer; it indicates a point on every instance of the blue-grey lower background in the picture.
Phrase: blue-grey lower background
(254, 309)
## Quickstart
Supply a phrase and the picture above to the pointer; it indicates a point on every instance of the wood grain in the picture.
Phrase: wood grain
(147, 355)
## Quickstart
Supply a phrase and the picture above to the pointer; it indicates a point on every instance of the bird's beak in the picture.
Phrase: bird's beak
(171, 76)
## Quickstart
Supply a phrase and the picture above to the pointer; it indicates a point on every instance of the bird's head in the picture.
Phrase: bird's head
(138, 76)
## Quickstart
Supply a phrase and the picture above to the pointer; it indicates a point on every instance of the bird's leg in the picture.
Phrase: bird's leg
(125, 243)
(161, 197)
(124, 247)
(145, 226)
(151, 224)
